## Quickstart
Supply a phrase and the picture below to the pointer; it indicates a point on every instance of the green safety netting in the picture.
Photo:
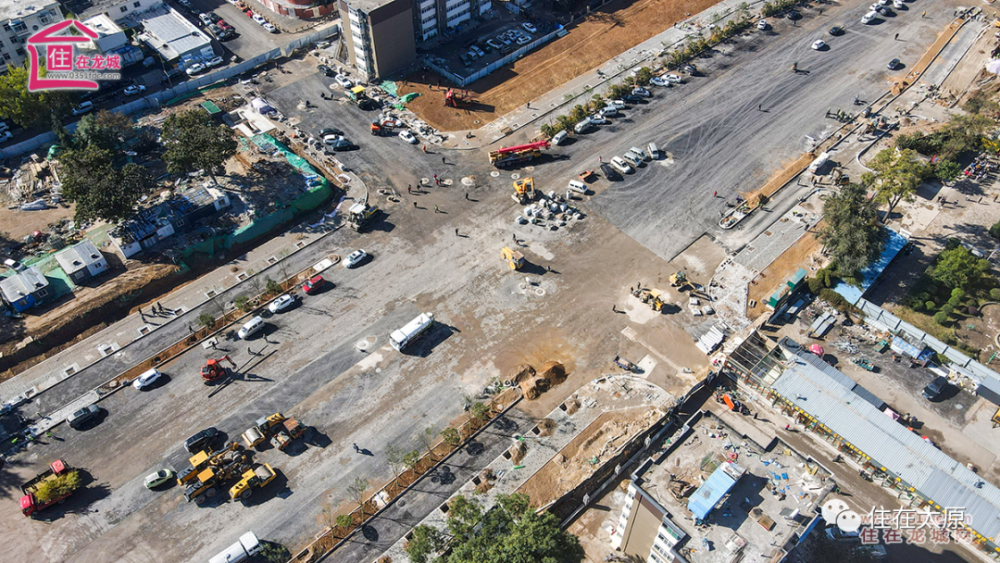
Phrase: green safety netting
(390, 86)
(409, 97)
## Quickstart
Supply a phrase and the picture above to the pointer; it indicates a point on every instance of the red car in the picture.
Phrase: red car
(223, 24)
(313, 285)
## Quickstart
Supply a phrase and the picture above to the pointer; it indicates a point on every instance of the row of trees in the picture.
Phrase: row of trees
(98, 175)
(597, 102)
(511, 531)
(699, 44)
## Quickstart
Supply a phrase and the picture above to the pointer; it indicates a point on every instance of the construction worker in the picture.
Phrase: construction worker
(425, 148)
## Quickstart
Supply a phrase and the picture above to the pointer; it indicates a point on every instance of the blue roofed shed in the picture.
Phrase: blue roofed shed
(718, 484)
(894, 243)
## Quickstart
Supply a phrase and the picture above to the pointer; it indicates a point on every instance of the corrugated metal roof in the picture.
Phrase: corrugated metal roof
(893, 244)
(929, 470)
(715, 487)
(868, 396)
(22, 284)
(79, 256)
(176, 33)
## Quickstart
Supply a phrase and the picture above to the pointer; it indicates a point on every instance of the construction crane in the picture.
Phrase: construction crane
(214, 370)
(524, 191)
(508, 156)
(514, 258)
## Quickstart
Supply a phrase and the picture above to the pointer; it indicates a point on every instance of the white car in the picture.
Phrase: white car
(622, 166)
(659, 81)
(763, 25)
(134, 89)
(205, 19)
(598, 119)
(898, 4)
(195, 69)
(281, 303)
(615, 104)
(523, 40)
(269, 27)
(355, 258)
(214, 61)
(408, 137)
(674, 78)
(343, 81)
(332, 139)
(154, 480)
(640, 91)
(818, 45)
(610, 111)
(252, 327)
(146, 378)
(83, 108)
(529, 28)
(259, 19)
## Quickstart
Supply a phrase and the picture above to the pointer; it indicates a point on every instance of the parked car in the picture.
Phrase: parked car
(622, 166)
(281, 303)
(343, 81)
(154, 480)
(674, 78)
(836, 31)
(609, 111)
(10, 262)
(793, 15)
(522, 40)
(134, 89)
(818, 45)
(332, 138)
(763, 25)
(898, 4)
(205, 19)
(330, 131)
(214, 61)
(615, 103)
(355, 258)
(327, 71)
(313, 285)
(223, 24)
(559, 137)
(259, 19)
(659, 81)
(226, 33)
(529, 28)
(408, 137)
(215, 18)
(689, 69)
(479, 51)
(493, 43)
(146, 378)
(196, 68)
(250, 328)
(503, 39)
(81, 417)
(936, 388)
(269, 27)
(578, 187)
(640, 91)
(608, 171)
(634, 98)
(894, 64)
(198, 441)
(83, 108)
(599, 119)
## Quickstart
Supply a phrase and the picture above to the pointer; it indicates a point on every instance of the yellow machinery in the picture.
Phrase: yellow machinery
(524, 190)
(514, 258)
(258, 432)
(203, 459)
(679, 280)
(651, 297)
(258, 477)
(220, 467)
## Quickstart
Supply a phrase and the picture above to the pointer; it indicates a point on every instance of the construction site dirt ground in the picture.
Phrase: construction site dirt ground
(605, 33)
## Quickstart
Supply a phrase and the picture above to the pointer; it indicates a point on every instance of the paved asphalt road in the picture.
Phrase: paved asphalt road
(718, 139)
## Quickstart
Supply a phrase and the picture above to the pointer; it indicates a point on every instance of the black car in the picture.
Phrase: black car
(793, 15)
(327, 71)
(835, 31)
(329, 131)
(608, 171)
(936, 388)
(196, 443)
(634, 98)
(893, 64)
(83, 416)
(214, 17)
(226, 34)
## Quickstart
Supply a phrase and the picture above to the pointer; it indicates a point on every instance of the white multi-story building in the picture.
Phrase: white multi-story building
(119, 10)
(434, 16)
(21, 19)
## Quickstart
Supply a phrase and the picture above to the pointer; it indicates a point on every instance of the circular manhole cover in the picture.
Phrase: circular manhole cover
(469, 181)
(515, 175)
(539, 292)
(494, 174)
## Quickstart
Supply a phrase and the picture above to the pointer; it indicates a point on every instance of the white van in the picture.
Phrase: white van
(252, 327)
(83, 108)
(653, 151)
(869, 17)
(578, 186)
(583, 126)
(560, 137)
(638, 153)
(621, 165)
(247, 547)
(632, 159)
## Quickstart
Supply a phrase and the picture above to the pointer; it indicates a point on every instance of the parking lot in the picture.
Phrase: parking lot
(500, 35)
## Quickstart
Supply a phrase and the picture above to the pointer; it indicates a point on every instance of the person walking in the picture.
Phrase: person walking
(467, 196)
(249, 351)
(425, 149)
(456, 232)
(896, 38)
(436, 210)
(443, 160)
(715, 194)
(356, 448)
(159, 307)
(409, 188)
(614, 308)
(141, 316)
(515, 238)
(414, 205)
(600, 159)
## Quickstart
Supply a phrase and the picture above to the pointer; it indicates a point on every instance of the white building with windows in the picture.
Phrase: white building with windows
(119, 10)
(21, 19)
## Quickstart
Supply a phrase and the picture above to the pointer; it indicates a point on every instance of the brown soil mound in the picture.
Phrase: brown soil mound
(554, 372)
(523, 372)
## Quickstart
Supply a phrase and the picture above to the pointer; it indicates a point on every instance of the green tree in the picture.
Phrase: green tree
(546, 130)
(644, 75)
(274, 552)
(357, 490)
(243, 303)
(30, 109)
(59, 486)
(995, 294)
(394, 459)
(99, 189)
(451, 436)
(959, 268)
(343, 521)
(104, 129)
(852, 233)
(511, 531)
(411, 459)
(896, 176)
(941, 317)
(480, 411)
(947, 170)
(206, 320)
(63, 136)
(193, 142)
(424, 541)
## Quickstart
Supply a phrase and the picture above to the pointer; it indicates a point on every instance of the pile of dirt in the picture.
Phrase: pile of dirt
(546, 426)
(486, 478)
(554, 372)
(517, 452)
(533, 383)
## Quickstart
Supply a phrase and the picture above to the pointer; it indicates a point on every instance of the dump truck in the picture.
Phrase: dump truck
(524, 190)
(258, 477)
(359, 214)
(411, 331)
(514, 258)
(509, 156)
(53, 486)
(214, 369)
(222, 467)
(260, 430)
(289, 430)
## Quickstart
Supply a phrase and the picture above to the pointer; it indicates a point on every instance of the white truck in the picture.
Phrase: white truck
(411, 331)
(242, 550)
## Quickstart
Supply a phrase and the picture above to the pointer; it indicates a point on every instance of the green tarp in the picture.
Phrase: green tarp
(409, 97)
(390, 86)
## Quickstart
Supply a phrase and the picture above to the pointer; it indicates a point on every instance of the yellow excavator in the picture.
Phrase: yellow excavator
(680, 280)
(524, 191)
(651, 297)
(514, 258)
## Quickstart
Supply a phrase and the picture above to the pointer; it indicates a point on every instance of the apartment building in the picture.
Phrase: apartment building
(433, 17)
(379, 35)
(21, 19)
(117, 10)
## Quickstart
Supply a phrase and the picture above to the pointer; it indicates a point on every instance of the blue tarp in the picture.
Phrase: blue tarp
(893, 245)
(716, 486)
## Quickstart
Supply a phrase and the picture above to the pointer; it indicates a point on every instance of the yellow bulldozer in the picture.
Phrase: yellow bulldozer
(251, 479)
(514, 258)
(524, 191)
(651, 297)
(680, 280)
